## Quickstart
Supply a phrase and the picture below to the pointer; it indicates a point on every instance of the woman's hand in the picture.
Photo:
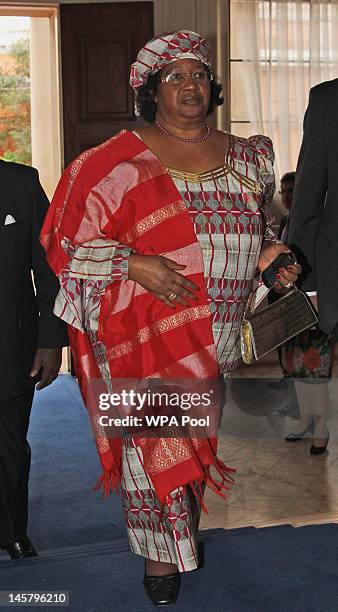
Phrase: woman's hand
(158, 276)
(285, 276)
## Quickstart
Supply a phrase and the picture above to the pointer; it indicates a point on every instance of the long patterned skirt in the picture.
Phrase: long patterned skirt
(162, 533)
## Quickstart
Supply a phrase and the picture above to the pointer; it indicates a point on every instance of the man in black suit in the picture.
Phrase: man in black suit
(30, 341)
(313, 232)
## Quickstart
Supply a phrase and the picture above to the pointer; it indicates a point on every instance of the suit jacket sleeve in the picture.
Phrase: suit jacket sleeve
(310, 191)
(52, 331)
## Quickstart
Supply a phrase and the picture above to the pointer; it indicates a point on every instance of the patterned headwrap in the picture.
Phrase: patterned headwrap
(166, 48)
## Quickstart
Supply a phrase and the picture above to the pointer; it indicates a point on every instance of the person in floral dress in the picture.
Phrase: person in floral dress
(308, 360)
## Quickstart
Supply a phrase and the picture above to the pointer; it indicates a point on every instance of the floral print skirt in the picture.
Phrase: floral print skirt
(309, 355)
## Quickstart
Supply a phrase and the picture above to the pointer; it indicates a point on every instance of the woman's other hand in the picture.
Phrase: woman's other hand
(285, 276)
(159, 276)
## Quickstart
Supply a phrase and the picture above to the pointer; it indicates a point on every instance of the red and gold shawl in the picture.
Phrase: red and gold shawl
(119, 193)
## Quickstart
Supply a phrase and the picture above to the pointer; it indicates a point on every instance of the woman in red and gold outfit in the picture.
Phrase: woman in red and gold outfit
(156, 236)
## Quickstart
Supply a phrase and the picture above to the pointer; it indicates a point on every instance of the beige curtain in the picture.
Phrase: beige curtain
(279, 49)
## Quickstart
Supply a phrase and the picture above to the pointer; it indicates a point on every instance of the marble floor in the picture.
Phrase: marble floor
(276, 482)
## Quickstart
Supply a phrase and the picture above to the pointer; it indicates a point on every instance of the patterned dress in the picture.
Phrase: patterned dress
(309, 356)
(230, 210)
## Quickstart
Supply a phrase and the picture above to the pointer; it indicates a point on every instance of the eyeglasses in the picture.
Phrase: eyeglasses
(200, 77)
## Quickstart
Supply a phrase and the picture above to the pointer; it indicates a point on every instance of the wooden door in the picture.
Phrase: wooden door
(98, 44)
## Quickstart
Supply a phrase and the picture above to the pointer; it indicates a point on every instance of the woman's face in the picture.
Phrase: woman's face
(188, 99)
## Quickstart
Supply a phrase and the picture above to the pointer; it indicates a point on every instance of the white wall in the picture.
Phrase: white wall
(45, 118)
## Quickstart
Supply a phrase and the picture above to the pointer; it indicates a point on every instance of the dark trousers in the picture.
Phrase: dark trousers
(15, 456)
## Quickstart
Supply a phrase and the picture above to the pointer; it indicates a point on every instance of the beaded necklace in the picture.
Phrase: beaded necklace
(180, 138)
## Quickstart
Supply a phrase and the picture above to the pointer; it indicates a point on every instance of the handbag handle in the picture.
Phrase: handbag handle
(292, 287)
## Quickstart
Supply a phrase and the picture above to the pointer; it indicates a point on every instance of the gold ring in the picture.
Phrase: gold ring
(172, 296)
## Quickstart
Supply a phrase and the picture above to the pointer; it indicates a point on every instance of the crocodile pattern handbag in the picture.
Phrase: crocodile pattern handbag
(266, 329)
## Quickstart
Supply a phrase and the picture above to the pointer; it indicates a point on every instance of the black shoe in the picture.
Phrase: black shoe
(319, 450)
(21, 549)
(296, 437)
(162, 590)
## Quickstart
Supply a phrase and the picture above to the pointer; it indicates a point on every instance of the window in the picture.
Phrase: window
(15, 115)
(279, 49)
(29, 90)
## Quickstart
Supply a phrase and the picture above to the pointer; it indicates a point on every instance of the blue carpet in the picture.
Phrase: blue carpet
(64, 509)
(277, 569)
